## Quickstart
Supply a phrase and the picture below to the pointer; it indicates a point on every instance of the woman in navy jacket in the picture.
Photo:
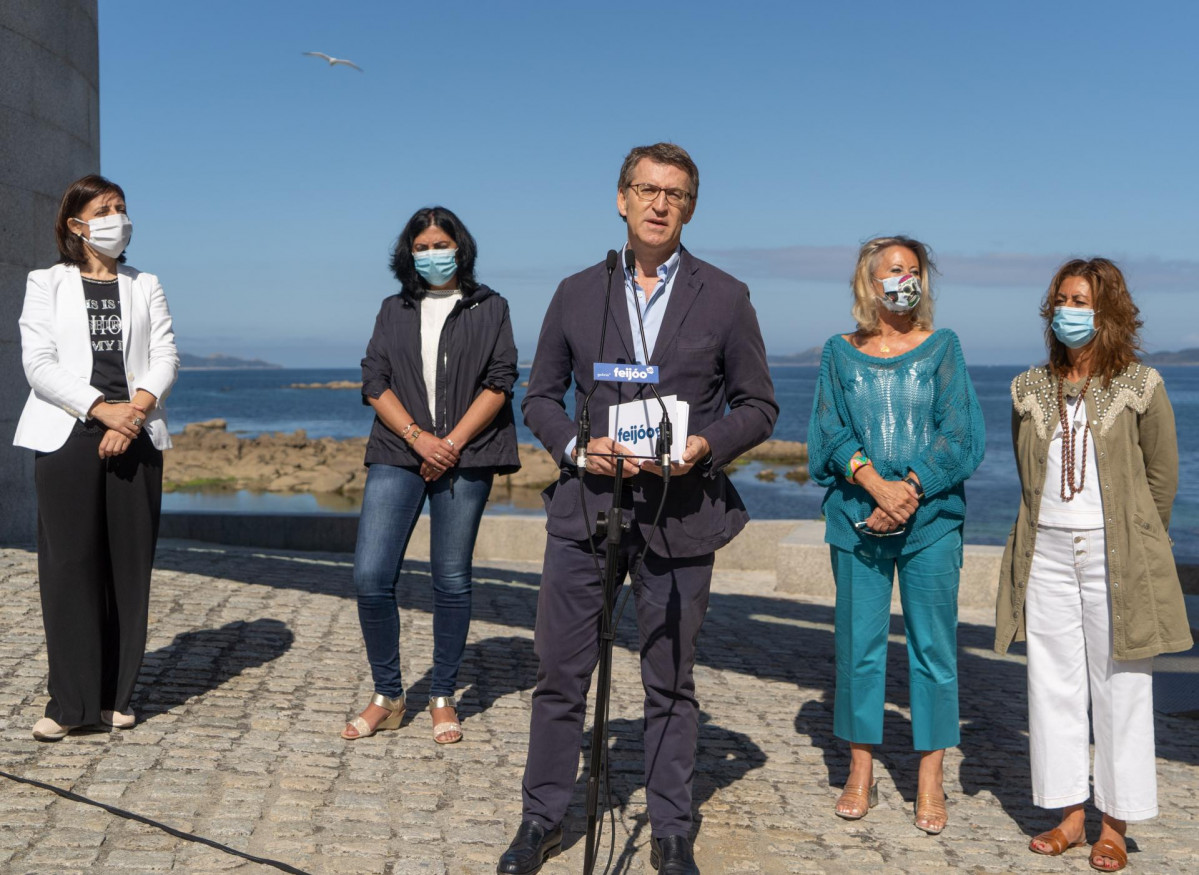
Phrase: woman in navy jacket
(99, 352)
(439, 372)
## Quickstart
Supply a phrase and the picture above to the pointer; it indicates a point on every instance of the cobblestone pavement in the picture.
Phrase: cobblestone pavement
(255, 661)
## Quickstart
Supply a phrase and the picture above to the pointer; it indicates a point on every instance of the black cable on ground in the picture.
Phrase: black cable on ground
(170, 830)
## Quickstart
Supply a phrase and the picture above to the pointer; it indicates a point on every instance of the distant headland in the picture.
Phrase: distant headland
(807, 357)
(1182, 357)
(221, 362)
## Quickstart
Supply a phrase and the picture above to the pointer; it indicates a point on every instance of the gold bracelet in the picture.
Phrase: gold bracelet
(416, 432)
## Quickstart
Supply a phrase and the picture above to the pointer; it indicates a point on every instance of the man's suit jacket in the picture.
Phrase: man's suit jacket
(56, 350)
(711, 355)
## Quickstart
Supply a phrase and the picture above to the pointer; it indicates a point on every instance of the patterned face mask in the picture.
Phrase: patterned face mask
(901, 293)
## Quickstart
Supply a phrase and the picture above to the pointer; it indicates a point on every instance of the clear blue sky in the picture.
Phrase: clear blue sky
(267, 188)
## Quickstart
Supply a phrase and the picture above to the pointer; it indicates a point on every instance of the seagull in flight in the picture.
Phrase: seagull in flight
(333, 62)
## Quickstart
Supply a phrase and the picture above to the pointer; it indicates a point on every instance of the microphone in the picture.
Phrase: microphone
(665, 432)
(584, 434)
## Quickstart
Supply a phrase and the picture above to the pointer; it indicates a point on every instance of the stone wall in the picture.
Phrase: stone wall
(49, 136)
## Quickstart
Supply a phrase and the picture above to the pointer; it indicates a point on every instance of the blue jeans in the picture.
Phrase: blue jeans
(391, 505)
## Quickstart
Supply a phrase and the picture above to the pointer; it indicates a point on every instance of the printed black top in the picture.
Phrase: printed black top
(108, 344)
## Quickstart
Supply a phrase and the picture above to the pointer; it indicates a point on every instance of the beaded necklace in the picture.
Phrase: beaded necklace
(1068, 450)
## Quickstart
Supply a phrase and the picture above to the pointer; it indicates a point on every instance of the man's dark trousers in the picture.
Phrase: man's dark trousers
(671, 601)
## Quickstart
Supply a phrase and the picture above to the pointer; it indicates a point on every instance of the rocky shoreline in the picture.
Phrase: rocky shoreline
(207, 456)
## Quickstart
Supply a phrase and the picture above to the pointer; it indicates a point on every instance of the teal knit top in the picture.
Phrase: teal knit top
(916, 411)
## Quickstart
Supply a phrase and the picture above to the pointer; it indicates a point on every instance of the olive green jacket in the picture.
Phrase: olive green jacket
(1133, 426)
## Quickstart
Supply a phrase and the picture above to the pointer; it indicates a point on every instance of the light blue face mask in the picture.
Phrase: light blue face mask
(1073, 326)
(436, 266)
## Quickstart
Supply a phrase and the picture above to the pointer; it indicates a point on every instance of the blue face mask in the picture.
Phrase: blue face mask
(436, 266)
(1073, 326)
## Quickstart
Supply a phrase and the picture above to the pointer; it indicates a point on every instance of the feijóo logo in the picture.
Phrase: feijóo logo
(623, 373)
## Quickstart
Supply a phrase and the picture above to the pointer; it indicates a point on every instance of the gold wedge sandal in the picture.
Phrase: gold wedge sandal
(396, 707)
(864, 797)
(447, 726)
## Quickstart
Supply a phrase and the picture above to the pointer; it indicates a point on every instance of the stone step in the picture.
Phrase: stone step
(803, 567)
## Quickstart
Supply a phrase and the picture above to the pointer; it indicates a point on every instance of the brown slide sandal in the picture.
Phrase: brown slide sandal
(1057, 842)
(1108, 848)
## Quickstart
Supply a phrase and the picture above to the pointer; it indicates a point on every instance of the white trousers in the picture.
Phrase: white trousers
(1070, 664)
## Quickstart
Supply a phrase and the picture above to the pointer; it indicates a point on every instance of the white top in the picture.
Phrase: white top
(1086, 510)
(435, 307)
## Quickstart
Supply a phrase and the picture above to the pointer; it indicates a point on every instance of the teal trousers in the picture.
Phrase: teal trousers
(928, 590)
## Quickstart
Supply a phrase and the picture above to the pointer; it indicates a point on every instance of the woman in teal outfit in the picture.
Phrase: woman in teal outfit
(896, 429)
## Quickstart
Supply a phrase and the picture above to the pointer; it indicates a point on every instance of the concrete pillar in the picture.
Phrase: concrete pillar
(49, 136)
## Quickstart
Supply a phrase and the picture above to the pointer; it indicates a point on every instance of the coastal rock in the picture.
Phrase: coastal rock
(313, 480)
(206, 425)
(783, 452)
(332, 384)
(537, 469)
(207, 456)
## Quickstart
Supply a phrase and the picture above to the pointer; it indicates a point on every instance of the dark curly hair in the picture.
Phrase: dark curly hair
(402, 264)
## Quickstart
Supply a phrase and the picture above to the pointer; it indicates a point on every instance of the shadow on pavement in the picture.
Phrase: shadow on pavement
(197, 662)
(491, 669)
(723, 757)
(771, 638)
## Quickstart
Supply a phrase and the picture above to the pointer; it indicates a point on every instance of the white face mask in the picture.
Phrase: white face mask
(110, 234)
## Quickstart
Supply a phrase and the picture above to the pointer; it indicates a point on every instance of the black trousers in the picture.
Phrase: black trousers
(97, 527)
(671, 597)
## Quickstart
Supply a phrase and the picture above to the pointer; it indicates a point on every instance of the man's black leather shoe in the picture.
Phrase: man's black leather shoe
(532, 846)
(671, 855)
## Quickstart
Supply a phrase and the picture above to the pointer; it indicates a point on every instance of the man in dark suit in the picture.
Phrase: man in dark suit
(702, 333)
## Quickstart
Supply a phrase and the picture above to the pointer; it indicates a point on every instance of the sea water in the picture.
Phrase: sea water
(254, 402)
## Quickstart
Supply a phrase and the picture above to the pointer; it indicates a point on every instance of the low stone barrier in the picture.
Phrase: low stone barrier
(793, 549)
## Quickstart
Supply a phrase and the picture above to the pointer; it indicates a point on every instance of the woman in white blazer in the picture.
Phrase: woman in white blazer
(99, 353)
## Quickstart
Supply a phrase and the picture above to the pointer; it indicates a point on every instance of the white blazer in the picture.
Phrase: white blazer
(56, 350)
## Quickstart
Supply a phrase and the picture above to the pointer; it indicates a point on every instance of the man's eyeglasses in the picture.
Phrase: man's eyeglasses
(649, 192)
(866, 530)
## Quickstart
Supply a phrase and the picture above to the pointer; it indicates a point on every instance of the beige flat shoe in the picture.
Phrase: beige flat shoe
(862, 798)
(117, 720)
(449, 726)
(50, 730)
(362, 729)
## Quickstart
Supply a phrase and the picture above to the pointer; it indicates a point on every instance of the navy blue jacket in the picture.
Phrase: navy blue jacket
(711, 355)
(476, 351)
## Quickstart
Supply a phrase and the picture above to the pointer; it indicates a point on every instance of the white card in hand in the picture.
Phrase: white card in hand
(635, 424)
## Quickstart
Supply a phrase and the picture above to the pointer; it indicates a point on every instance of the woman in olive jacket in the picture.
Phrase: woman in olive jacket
(1088, 577)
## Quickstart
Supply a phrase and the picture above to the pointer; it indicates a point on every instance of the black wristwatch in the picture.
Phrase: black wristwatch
(915, 484)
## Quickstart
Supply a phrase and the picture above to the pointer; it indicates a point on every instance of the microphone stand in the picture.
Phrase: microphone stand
(611, 526)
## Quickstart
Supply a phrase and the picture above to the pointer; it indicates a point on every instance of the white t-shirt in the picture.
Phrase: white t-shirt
(1085, 511)
(435, 307)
